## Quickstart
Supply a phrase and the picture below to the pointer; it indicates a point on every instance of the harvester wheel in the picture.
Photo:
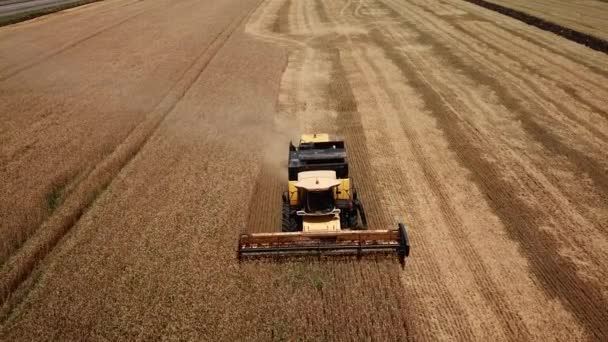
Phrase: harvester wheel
(353, 221)
(289, 223)
(361, 212)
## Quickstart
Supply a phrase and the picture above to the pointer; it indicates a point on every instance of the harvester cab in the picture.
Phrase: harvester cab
(321, 212)
(316, 191)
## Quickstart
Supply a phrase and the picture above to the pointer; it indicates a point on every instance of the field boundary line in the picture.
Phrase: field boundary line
(22, 263)
(579, 37)
(35, 12)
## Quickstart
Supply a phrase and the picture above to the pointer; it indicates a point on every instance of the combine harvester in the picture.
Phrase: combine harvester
(321, 211)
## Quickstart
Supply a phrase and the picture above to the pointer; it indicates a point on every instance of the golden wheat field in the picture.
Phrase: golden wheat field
(139, 138)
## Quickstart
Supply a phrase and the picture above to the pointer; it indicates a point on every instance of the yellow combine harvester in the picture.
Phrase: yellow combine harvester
(321, 211)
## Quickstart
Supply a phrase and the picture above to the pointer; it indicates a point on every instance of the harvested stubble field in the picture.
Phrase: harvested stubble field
(139, 137)
(588, 16)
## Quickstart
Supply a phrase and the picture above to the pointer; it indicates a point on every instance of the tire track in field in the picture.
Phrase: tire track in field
(20, 265)
(581, 298)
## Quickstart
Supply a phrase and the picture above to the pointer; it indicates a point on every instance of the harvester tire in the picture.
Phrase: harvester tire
(353, 221)
(289, 223)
